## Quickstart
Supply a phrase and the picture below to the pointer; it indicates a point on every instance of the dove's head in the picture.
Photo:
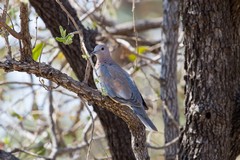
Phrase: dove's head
(100, 50)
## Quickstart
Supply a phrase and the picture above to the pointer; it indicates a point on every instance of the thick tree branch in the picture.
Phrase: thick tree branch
(89, 94)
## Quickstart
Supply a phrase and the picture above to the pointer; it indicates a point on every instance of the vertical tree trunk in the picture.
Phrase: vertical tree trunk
(118, 135)
(168, 75)
(212, 64)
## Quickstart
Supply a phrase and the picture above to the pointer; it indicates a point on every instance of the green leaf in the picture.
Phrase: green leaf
(142, 49)
(39, 148)
(68, 39)
(96, 80)
(104, 91)
(6, 140)
(37, 50)
(62, 31)
(94, 24)
(60, 39)
(84, 56)
(35, 116)
(41, 151)
(15, 114)
(132, 57)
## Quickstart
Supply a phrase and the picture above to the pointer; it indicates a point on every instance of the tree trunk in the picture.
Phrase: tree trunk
(168, 75)
(118, 135)
(212, 63)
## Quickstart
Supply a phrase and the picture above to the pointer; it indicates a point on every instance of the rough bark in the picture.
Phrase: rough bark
(119, 137)
(168, 75)
(212, 64)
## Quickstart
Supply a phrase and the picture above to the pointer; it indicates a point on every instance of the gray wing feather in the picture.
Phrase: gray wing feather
(119, 85)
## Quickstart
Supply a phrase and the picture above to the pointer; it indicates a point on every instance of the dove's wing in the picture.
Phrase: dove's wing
(119, 85)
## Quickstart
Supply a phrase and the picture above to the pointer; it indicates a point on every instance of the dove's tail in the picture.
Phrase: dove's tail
(142, 115)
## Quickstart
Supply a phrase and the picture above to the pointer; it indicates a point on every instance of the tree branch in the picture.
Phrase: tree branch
(10, 30)
(91, 95)
(29, 153)
(52, 124)
(141, 25)
(26, 51)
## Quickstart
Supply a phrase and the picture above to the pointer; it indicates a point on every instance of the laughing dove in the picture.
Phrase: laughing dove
(117, 84)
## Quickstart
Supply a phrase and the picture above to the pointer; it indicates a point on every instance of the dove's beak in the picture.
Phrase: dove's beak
(92, 53)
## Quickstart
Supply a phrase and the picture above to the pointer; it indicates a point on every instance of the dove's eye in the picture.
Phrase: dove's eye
(102, 48)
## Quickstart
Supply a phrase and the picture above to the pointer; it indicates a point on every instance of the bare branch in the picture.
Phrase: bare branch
(26, 51)
(92, 131)
(29, 153)
(175, 140)
(22, 83)
(52, 124)
(79, 147)
(141, 25)
(10, 30)
(132, 49)
(91, 11)
(4, 32)
(170, 115)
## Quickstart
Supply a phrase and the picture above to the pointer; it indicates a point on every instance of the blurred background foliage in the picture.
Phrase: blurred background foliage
(25, 122)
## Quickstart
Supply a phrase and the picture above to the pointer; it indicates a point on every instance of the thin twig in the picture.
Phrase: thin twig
(66, 94)
(81, 40)
(88, 126)
(33, 91)
(75, 124)
(36, 34)
(135, 32)
(10, 30)
(5, 34)
(140, 65)
(130, 38)
(133, 51)
(52, 125)
(80, 10)
(29, 153)
(165, 107)
(22, 83)
(175, 140)
(80, 146)
(91, 11)
(92, 124)
(21, 99)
